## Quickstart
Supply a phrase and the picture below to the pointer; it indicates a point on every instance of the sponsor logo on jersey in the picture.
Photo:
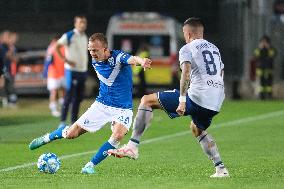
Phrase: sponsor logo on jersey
(217, 84)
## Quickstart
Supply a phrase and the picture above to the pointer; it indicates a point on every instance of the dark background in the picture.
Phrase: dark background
(235, 26)
(57, 15)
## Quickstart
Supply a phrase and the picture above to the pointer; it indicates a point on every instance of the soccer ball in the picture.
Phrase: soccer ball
(48, 163)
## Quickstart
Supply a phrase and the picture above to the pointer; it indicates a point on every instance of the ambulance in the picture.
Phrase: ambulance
(161, 34)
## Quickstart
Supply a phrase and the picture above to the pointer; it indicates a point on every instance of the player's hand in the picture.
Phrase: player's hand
(146, 63)
(71, 63)
(181, 108)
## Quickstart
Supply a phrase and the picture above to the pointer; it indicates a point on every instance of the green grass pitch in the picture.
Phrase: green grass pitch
(249, 134)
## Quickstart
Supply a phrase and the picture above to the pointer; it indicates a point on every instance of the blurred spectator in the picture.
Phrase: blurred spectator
(3, 40)
(76, 65)
(278, 7)
(1, 61)
(9, 68)
(54, 70)
(264, 56)
(4, 37)
(3, 49)
(138, 71)
(2, 54)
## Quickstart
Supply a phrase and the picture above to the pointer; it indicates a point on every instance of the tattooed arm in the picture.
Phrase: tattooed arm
(184, 84)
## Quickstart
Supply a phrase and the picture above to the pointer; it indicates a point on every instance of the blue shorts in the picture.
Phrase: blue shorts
(201, 117)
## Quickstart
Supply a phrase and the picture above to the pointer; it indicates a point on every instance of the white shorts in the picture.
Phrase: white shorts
(53, 83)
(99, 114)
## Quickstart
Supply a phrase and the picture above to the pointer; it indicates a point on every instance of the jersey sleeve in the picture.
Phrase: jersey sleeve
(123, 58)
(185, 55)
(63, 40)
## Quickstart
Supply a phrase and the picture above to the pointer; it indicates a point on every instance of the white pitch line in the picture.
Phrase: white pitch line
(18, 167)
(229, 123)
(250, 119)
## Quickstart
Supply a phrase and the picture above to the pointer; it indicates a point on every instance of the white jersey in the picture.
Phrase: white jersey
(206, 80)
(76, 50)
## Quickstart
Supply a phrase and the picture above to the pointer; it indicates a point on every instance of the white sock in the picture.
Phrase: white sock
(46, 138)
(64, 131)
(115, 143)
(142, 121)
(61, 101)
(132, 144)
(89, 164)
(209, 147)
(53, 106)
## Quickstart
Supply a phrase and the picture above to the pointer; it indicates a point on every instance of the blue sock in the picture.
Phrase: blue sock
(56, 134)
(101, 154)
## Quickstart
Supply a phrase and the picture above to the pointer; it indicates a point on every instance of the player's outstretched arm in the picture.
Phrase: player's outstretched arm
(136, 60)
(184, 84)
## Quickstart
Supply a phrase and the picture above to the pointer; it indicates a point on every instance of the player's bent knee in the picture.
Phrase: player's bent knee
(71, 134)
(195, 130)
(144, 100)
(192, 126)
(149, 100)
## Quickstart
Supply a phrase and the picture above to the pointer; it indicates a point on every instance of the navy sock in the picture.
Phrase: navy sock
(56, 134)
(102, 153)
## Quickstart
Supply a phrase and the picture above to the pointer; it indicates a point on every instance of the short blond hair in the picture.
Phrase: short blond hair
(100, 37)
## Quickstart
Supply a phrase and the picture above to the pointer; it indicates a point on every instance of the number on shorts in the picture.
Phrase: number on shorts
(125, 121)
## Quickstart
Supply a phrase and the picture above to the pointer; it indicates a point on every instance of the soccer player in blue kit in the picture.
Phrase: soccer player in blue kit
(114, 103)
(202, 67)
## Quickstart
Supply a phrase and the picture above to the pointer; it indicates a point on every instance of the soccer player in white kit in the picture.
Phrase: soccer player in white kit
(202, 67)
(113, 104)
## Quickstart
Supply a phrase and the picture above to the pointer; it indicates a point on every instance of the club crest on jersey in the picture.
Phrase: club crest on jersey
(86, 121)
(111, 61)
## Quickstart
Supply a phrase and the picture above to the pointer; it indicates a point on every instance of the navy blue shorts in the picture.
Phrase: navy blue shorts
(201, 117)
(74, 78)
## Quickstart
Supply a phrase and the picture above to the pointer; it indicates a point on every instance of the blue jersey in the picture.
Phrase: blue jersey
(115, 77)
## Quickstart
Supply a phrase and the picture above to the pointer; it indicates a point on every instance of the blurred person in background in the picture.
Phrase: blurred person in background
(2, 51)
(138, 71)
(9, 68)
(278, 7)
(54, 71)
(75, 43)
(4, 36)
(264, 56)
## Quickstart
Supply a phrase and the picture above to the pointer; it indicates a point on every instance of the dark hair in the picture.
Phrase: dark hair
(265, 38)
(100, 37)
(195, 22)
(79, 16)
